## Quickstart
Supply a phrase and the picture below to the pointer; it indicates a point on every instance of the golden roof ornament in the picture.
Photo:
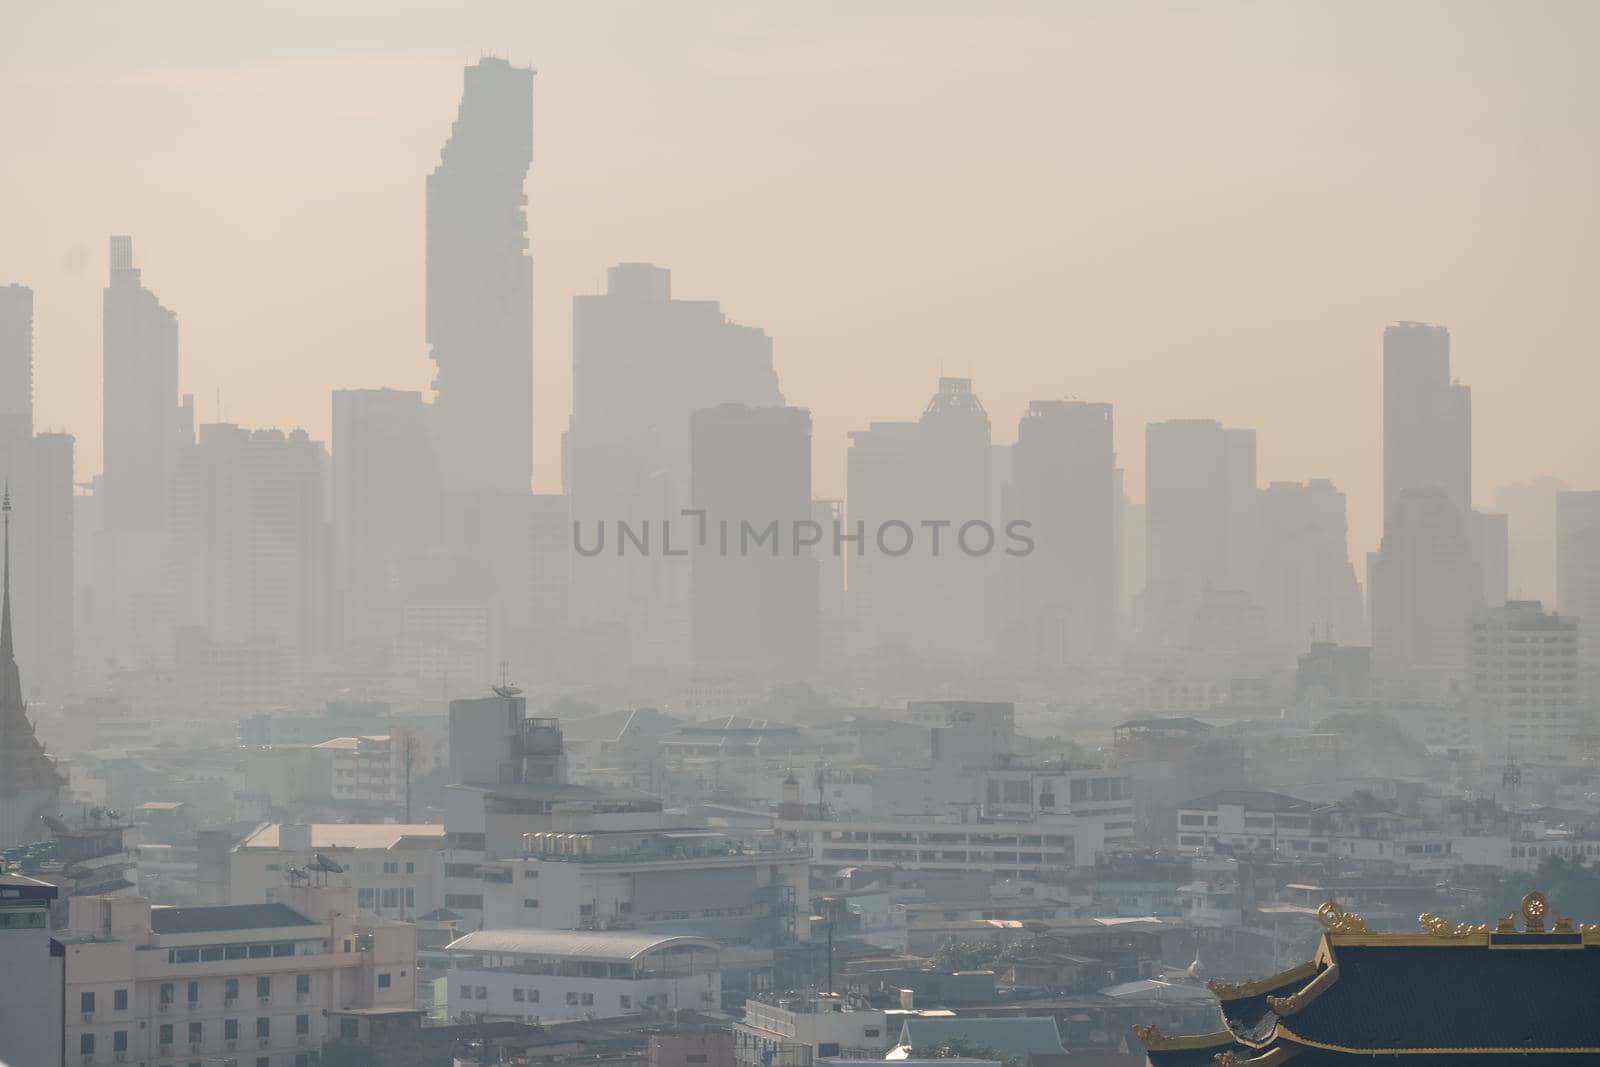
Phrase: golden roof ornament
(1435, 926)
(1534, 909)
(1336, 920)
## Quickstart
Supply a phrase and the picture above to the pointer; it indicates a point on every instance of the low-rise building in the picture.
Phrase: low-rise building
(252, 982)
(391, 866)
(795, 1030)
(528, 975)
(30, 1012)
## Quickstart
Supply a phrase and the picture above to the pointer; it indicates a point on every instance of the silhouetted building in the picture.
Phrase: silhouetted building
(1305, 582)
(754, 586)
(1200, 519)
(385, 509)
(145, 430)
(16, 363)
(1491, 550)
(1064, 483)
(29, 784)
(882, 483)
(1530, 509)
(642, 362)
(1578, 574)
(1424, 584)
(480, 285)
(251, 542)
(1427, 418)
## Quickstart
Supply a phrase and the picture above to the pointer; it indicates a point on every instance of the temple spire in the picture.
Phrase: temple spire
(6, 654)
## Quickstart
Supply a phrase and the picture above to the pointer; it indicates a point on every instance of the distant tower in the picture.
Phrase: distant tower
(16, 364)
(480, 285)
(29, 784)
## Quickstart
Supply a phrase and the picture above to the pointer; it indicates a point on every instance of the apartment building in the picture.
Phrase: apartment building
(242, 984)
(391, 866)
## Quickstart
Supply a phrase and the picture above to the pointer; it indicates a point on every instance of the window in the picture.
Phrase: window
(469, 901)
(230, 989)
(383, 980)
(516, 994)
(411, 868)
(479, 993)
(264, 986)
(529, 873)
(698, 1057)
(86, 1044)
(86, 1002)
(391, 898)
(831, 1048)
(411, 897)
(869, 1031)
(349, 1030)
(302, 1059)
(588, 1000)
(119, 1041)
(263, 1061)
(366, 898)
(530, 902)
(625, 1002)
(195, 1033)
(119, 1000)
(194, 992)
(391, 868)
(263, 1026)
(572, 999)
(302, 984)
(168, 993)
(302, 1024)
(466, 992)
(533, 996)
(585, 909)
(164, 1034)
(230, 1029)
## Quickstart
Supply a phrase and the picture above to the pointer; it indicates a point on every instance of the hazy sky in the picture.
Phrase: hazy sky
(1187, 209)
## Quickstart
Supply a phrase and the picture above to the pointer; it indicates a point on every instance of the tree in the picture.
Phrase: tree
(960, 1048)
(956, 955)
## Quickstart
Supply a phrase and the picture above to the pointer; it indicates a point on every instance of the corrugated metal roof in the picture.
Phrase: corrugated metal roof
(608, 945)
(329, 835)
(224, 917)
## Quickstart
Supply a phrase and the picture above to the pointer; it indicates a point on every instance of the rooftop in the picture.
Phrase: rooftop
(330, 835)
(617, 946)
(225, 917)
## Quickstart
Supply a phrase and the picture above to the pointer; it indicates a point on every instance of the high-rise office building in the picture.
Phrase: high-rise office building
(953, 488)
(386, 508)
(1305, 582)
(1064, 484)
(1427, 417)
(1200, 520)
(642, 362)
(251, 542)
(754, 589)
(1490, 533)
(480, 285)
(1578, 575)
(16, 363)
(146, 429)
(1425, 582)
(883, 471)
(1530, 510)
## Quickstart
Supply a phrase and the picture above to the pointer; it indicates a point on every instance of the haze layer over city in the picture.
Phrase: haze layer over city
(716, 534)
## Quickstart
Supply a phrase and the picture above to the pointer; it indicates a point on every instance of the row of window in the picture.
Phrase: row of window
(210, 953)
(168, 991)
(391, 898)
(166, 1033)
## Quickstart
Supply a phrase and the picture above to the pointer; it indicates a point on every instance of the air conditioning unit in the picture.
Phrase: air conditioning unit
(265, 1000)
(263, 1042)
(194, 1005)
(165, 1005)
(194, 1046)
(120, 1057)
(230, 1045)
(301, 998)
(88, 1016)
(302, 1041)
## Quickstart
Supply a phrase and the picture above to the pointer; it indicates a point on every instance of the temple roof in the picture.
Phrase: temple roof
(1450, 993)
(24, 768)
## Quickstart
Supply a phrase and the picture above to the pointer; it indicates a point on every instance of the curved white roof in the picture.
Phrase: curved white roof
(615, 946)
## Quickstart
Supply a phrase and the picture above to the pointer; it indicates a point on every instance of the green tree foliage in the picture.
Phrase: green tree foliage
(959, 1048)
(959, 956)
(1572, 886)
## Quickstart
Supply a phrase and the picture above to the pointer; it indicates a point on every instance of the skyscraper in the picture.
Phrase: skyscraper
(754, 600)
(883, 471)
(1427, 418)
(16, 363)
(953, 488)
(1064, 482)
(642, 362)
(1305, 581)
(480, 285)
(145, 430)
(1578, 575)
(1200, 520)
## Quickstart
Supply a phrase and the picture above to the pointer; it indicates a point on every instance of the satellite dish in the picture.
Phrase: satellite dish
(325, 864)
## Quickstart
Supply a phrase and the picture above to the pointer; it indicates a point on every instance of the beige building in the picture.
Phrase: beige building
(390, 866)
(239, 984)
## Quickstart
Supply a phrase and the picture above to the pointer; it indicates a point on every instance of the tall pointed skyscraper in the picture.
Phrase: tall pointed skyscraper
(480, 285)
(29, 784)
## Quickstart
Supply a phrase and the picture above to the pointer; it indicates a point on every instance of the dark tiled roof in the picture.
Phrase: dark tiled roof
(1457, 996)
(225, 917)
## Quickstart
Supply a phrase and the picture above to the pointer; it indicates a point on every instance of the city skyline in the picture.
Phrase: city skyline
(1066, 312)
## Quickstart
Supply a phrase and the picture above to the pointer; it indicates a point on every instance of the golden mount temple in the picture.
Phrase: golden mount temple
(1448, 994)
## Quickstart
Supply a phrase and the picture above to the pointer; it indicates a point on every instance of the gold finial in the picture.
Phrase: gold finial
(1336, 920)
(1507, 925)
(1563, 925)
(1534, 909)
(1435, 926)
(1148, 1033)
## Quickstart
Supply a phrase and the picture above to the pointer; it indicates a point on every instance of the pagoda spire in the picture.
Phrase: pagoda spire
(5, 610)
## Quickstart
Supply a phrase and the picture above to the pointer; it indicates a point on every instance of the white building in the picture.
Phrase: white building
(366, 770)
(1524, 678)
(391, 866)
(794, 1030)
(236, 983)
(583, 974)
(30, 1011)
